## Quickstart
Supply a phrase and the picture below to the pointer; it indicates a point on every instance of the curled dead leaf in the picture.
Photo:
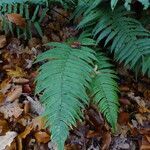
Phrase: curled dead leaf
(17, 19)
(20, 80)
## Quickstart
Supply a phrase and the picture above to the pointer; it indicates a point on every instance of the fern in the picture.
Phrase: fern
(63, 80)
(130, 41)
(32, 19)
(104, 89)
(23, 10)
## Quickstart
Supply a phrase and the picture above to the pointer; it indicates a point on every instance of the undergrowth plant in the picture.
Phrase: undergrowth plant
(76, 73)
(64, 79)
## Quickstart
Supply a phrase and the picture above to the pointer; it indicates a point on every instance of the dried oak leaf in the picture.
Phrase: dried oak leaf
(7, 139)
(17, 19)
(11, 110)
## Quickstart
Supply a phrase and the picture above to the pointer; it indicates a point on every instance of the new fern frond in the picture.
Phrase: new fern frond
(104, 89)
(63, 80)
(130, 41)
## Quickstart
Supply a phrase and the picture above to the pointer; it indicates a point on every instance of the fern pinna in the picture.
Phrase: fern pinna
(130, 42)
(63, 81)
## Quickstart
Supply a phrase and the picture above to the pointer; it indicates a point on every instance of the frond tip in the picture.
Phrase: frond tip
(104, 89)
(63, 80)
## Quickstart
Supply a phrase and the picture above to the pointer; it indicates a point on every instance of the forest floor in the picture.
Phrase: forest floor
(20, 124)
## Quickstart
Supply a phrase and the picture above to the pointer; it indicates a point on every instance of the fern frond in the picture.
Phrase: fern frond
(130, 41)
(63, 80)
(105, 89)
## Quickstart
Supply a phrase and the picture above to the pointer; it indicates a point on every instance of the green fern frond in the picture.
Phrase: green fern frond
(31, 20)
(63, 80)
(105, 89)
(130, 41)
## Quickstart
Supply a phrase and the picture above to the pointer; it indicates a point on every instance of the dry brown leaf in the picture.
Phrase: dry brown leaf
(2, 41)
(17, 19)
(7, 139)
(42, 137)
(15, 94)
(145, 145)
(5, 86)
(1, 98)
(20, 80)
(11, 109)
(17, 72)
(36, 106)
(123, 118)
(106, 141)
(3, 126)
(38, 123)
(26, 132)
(140, 119)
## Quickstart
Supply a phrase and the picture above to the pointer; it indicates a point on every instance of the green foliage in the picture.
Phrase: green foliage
(63, 81)
(32, 18)
(104, 89)
(130, 41)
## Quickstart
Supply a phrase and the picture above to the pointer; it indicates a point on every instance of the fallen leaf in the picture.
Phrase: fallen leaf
(145, 145)
(17, 72)
(38, 123)
(123, 118)
(140, 119)
(5, 86)
(11, 109)
(3, 126)
(15, 94)
(42, 137)
(2, 41)
(7, 139)
(20, 80)
(26, 132)
(106, 141)
(36, 106)
(17, 19)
